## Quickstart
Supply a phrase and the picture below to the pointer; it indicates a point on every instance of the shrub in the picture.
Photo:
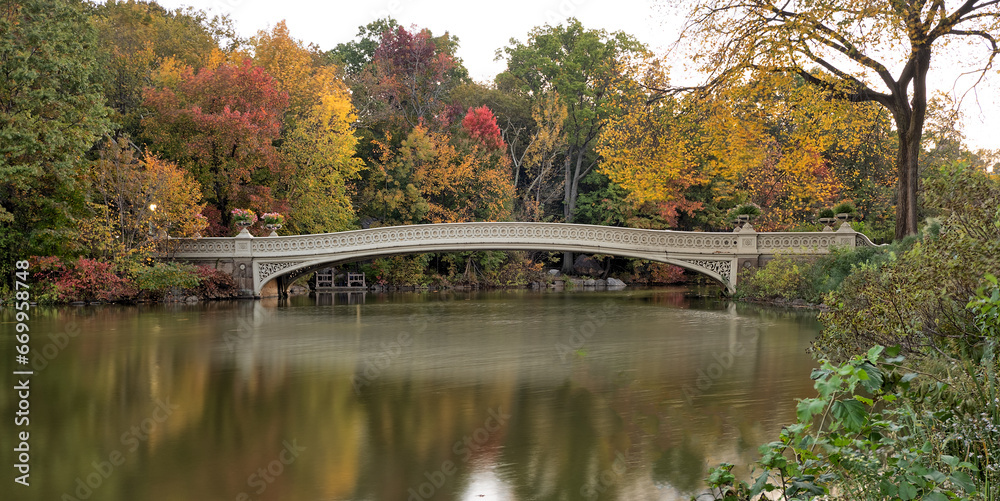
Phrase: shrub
(747, 209)
(784, 277)
(89, 280)
(214, 284)
(917, 297)
(399, 270)
(160, 279)
(845, 208)
(866, 435)
(515, 268)
(812, 278)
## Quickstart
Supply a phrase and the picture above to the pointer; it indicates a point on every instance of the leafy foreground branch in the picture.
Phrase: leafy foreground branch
(877, 431)
(884, 427)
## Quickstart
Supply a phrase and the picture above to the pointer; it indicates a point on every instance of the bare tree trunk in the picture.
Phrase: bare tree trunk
(909, 178)
(567, 263)
(910, 126)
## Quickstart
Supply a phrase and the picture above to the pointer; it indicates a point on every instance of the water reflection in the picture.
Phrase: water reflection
(503, 395)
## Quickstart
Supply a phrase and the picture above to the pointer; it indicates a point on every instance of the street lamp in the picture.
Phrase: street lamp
(152, 208)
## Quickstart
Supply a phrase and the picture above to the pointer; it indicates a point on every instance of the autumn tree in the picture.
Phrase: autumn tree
(409, 77)
(512, 108)
(438, 177)
(584, 67)
(650, 146)
(135, 37)
(221, 125)
(877, 52)
(134, 200)
(318, 137)
(776, 142)
(51, 113)
(539, 159)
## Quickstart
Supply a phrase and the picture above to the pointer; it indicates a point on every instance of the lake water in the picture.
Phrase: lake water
(509, 395)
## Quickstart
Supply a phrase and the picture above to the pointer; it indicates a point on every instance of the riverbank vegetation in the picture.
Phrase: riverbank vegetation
(921, 418)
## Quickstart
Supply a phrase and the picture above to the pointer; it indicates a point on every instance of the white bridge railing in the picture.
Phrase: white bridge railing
(257, 261)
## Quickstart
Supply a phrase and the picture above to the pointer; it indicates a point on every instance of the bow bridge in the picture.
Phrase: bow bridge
(267, 265)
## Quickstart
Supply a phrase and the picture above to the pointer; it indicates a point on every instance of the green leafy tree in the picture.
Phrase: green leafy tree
(585, 68)
(51, 113)
(354, 56)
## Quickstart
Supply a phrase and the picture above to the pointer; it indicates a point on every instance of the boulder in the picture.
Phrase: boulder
(614, 282)
(586, 265)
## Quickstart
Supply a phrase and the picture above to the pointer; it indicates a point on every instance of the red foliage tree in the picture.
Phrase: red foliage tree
(482, 126)
(221, 125)
(411, 74)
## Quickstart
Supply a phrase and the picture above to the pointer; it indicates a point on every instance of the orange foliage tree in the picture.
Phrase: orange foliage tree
(221, 125)
(135, 200)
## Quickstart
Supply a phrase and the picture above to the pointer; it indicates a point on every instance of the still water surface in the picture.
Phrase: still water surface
(514, 395)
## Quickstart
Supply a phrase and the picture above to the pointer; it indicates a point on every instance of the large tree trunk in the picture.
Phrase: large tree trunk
(567, 261)
(910, 126)
(909, 180)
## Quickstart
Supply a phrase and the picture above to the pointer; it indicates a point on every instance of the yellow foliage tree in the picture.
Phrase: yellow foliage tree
(135, 201)
(549, 113)
(467, 182)
(649, 147)
(773, 141)
(319, 136)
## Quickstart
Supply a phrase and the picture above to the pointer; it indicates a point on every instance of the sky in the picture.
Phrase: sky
(482, 28)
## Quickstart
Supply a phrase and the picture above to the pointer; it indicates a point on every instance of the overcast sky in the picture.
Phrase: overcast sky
(482, 28)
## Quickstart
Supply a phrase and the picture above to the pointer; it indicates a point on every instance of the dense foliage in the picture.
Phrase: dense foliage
(921, 421)
(124, 122)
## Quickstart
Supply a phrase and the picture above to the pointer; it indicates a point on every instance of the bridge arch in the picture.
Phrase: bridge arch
(255, 262)
(298, 269)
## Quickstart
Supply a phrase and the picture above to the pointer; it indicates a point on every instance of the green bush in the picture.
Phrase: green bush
(867, 435)
(918, 296)
(845, 208)
(399, 270)
(160, 279)
(784, 277)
